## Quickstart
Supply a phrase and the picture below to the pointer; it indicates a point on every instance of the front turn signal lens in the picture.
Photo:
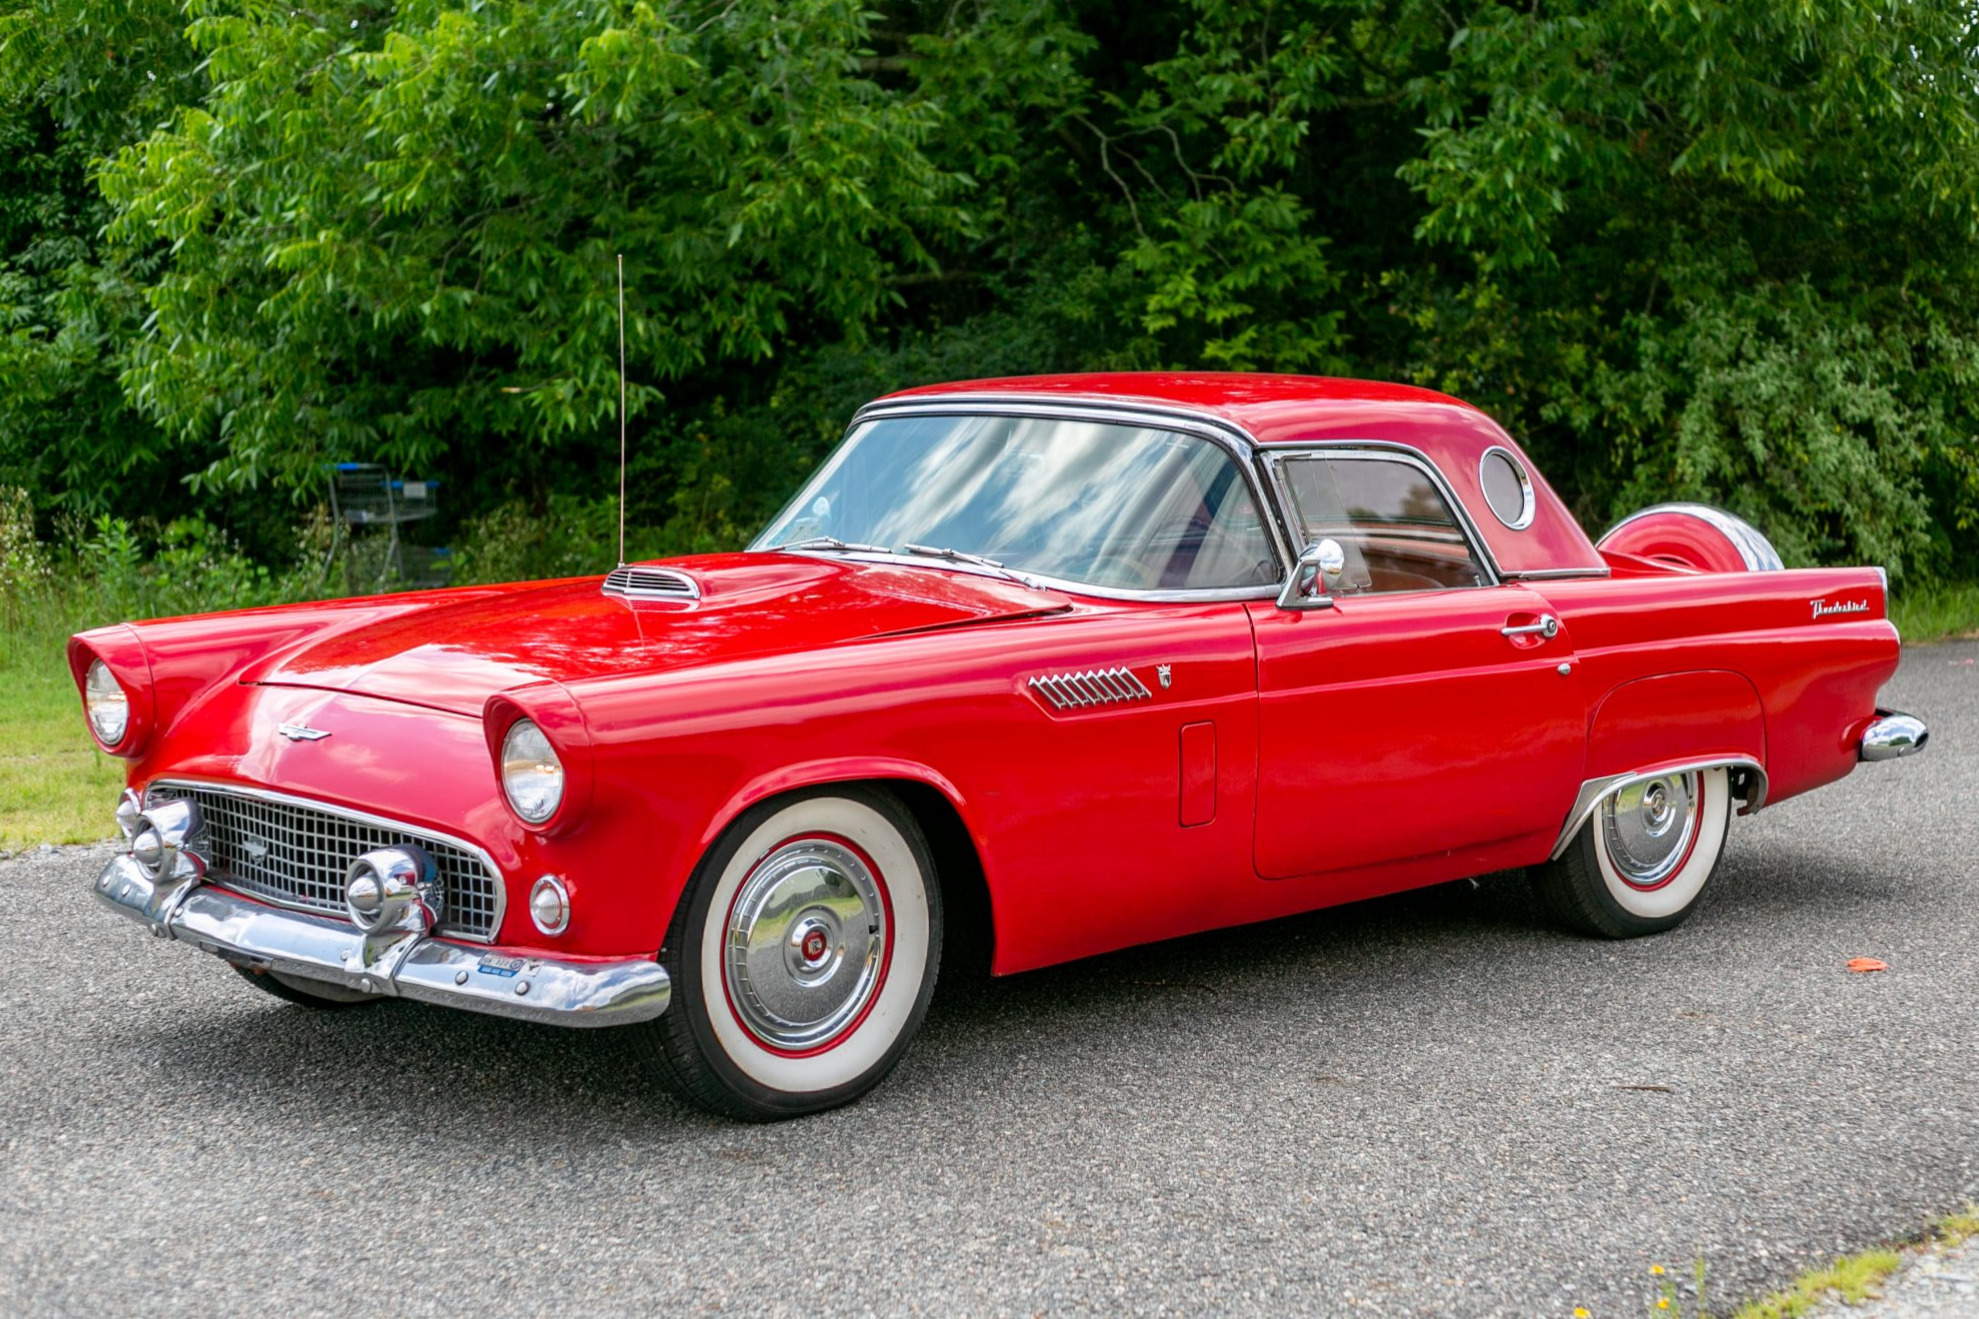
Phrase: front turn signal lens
(532, 776)
(108, 705)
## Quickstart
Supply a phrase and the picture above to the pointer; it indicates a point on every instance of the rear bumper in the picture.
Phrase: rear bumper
(1892, 734)
(392, 964)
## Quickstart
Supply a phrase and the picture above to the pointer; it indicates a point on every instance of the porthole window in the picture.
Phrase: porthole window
(1507, 488)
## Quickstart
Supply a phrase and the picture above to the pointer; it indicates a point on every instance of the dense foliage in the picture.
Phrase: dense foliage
(1720, 251)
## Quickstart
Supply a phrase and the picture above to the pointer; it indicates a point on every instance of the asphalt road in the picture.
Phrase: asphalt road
(1428, 1104)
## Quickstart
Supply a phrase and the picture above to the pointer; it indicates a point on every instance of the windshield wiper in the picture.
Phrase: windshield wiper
(833, 543)
(956, 556)
(975, 560)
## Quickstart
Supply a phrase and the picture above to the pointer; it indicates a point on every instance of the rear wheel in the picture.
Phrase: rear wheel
(1640, 863)
(307, 993)
(803, 955)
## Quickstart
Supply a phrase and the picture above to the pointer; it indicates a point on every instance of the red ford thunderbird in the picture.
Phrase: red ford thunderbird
(1064, 664)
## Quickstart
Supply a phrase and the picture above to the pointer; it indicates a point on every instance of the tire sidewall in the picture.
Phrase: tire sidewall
(1645, 911)
(761, 1079)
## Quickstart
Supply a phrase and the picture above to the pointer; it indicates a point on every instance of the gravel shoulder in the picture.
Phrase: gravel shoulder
(1429, 1104)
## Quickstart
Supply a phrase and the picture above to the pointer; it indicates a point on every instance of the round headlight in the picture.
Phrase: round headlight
(532, 777)
(109, 708)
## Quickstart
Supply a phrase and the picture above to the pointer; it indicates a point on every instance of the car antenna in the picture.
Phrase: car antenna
(621, 409)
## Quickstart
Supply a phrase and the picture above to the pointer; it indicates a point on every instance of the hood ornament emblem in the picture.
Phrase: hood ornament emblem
(301, 733)
(1165, 674)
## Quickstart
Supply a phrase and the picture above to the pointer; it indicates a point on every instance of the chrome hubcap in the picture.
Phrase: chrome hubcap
(1648, 827)
(806, 944)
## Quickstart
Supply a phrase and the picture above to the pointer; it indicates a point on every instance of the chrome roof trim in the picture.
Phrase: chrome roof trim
(361, 817)
(1593, 790)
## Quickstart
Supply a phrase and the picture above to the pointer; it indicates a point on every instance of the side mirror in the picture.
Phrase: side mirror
(1314, 576)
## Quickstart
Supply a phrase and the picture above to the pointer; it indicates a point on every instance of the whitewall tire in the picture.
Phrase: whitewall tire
(1641, 861)
(803, 955)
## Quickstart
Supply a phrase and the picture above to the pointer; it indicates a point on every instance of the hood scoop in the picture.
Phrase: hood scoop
(651, 584)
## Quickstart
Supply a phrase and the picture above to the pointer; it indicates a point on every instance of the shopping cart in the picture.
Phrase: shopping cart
(365, 498)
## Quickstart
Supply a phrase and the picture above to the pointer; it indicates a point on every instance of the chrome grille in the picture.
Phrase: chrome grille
(1076, 691)
(294, 854)
(652, 583)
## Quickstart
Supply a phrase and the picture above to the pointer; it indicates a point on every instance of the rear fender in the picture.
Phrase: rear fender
(1708, 715)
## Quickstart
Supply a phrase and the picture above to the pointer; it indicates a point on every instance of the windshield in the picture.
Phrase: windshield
(1126, 507)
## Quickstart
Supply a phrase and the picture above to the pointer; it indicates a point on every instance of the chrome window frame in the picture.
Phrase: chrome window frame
(1529, 509)
(1387, 451)
(169, 781)
(1242, 447)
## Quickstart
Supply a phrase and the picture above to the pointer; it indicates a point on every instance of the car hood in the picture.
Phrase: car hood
(453, 650)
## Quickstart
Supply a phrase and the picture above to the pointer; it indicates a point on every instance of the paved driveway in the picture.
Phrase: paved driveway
(1428, 1104)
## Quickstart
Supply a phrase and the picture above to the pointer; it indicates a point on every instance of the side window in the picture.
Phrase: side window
(1394, 526)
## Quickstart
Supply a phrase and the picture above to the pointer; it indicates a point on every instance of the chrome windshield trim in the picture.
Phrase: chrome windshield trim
(1234, 439)
(1594, 790)
(361, 817)
(1387, 451)
(1036, 581)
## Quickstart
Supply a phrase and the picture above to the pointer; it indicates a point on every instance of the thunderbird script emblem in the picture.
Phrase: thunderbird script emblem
(301, 733)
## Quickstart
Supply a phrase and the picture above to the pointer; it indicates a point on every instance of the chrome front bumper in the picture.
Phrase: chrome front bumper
(400, 963)
(1892, 734)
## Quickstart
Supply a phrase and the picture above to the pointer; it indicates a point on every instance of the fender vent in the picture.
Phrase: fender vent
(1078, 691)
(652, 584)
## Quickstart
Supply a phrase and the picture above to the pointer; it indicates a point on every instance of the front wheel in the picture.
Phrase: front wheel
(1640, 862)
(803, 955)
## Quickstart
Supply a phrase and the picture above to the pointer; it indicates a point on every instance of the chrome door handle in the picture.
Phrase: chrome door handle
(1547, 626)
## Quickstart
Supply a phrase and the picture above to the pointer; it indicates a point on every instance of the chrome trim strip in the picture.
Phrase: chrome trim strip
(1892, 736)
(1386, 451)
(360, 817)
(1593, 790)
(1552, 574)
(1751, 543)
(1241, 444)
(523, 985)
(1529, 508)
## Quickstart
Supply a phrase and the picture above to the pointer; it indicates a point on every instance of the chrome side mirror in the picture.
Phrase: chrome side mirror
(1314, 576)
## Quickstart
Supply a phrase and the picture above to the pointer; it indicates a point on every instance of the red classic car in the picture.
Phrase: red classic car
(1065, 664)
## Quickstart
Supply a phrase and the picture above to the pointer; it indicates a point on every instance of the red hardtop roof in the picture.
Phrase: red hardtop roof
(1262, 404)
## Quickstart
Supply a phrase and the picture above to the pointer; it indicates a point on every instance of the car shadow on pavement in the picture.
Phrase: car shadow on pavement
(481, 1068)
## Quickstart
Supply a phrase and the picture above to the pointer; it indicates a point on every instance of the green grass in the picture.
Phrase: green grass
(1933, 613)
(1854, 1277)
(55, 786)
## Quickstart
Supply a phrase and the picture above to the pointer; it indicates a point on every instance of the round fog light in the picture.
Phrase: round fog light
(365, 895)
(549, 905)
(149, 849)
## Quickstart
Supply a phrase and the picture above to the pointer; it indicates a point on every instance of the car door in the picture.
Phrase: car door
(1431, 710)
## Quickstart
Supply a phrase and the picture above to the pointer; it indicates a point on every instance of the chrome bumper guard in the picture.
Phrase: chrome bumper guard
(401, 962)
(1891, 735)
